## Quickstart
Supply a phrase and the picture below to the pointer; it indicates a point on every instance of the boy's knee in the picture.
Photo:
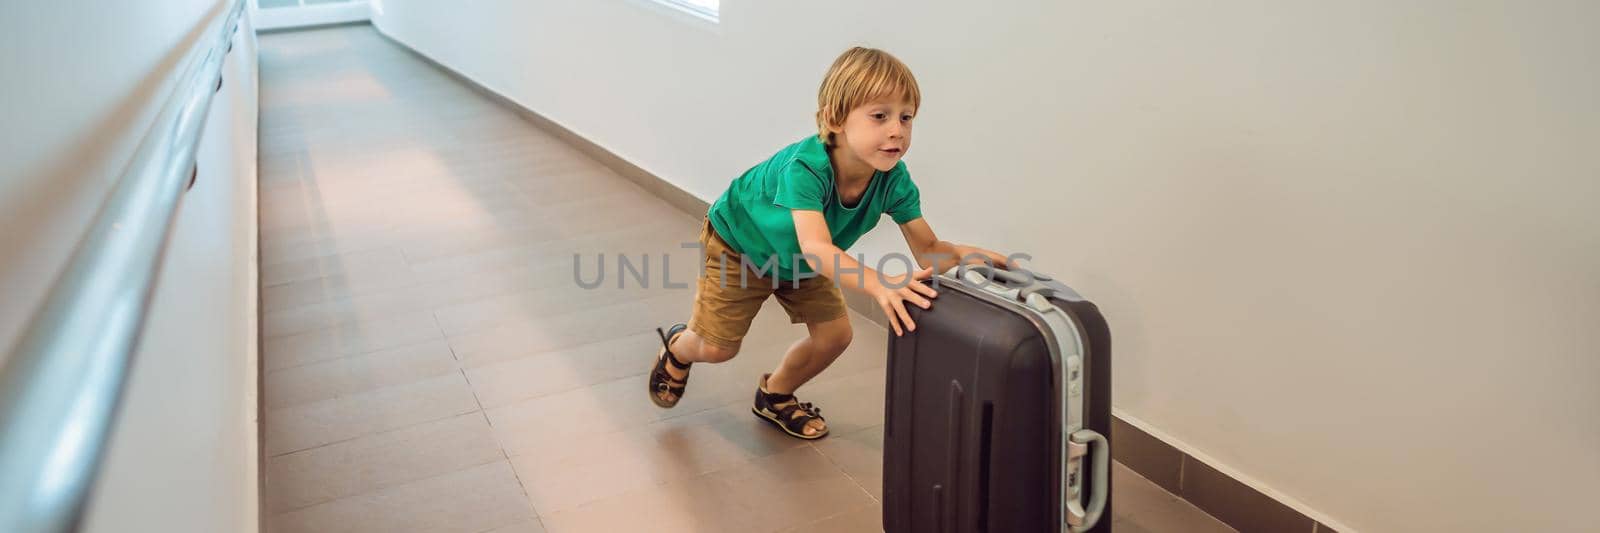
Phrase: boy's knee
(836, 340)
(717, 353)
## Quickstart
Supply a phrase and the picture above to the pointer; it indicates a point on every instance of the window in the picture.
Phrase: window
(706, 9)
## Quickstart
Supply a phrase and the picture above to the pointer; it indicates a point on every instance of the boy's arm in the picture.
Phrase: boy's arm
(816, 243)
(938, 255)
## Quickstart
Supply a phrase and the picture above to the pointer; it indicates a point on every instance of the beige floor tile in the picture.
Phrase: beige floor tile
(531, 525)
(312, 220)
(538, 425)
(476, 286)
(569, 473)
(612, 406)
(736, 499)
(616, 212)
(400, 329)
(433, 246)
(318, 290)
(689, 506)
(542, 374)
(809, 485)
(441, 188)
(1138, 506)
(780, 492)
(315, 221)
(571, 329)
(378, 263)
(315, 424)
(401, 219)
(356, 374)
(531, 306)
(860, 455)
(380, 460)
(614, 467)
(306, 218)
(582, 182)
(560, 252)
(324, 242)
(435, 291)
(864, 519)
(467, 501)
(373, 307)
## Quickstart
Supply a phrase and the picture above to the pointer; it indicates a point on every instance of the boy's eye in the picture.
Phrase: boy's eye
(879, 116)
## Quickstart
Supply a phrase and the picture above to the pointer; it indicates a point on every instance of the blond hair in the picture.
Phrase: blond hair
(860, 76)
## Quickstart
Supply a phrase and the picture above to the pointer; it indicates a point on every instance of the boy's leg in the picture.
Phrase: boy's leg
(690, 347)
(716, 328)
(817, 303)
(720, 318)
(809, 356)
(724, 304)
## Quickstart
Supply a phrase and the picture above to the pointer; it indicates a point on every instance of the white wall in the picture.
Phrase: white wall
(185, 457)
(82, 83)
(1348, 250)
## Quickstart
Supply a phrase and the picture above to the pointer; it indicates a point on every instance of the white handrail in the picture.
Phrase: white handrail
(61, 384)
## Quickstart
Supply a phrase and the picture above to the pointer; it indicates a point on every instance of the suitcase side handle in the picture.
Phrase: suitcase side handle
(1081, 517)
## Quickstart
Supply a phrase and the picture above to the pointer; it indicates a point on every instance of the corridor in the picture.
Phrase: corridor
(430, 363)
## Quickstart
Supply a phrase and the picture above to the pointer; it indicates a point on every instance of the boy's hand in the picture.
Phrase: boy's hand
(994, 258)
(892, 300)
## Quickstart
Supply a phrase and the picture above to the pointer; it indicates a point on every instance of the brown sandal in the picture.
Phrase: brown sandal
(792, 417)
(660, 380)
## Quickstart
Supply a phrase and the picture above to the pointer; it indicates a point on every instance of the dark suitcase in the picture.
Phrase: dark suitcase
(998, 410)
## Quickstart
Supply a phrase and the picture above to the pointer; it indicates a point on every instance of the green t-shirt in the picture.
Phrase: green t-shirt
(754, 217)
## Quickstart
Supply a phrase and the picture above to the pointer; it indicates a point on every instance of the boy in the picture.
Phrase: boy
(786, 222)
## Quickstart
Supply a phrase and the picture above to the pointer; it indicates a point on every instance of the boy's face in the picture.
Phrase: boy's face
(878, 133)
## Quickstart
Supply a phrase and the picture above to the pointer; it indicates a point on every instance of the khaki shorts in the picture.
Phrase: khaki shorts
(723, 310)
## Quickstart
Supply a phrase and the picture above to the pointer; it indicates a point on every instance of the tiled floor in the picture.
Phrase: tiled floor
(432, 365)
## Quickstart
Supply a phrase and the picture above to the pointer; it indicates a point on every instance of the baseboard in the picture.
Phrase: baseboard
(1229, 500)
(1219, 494)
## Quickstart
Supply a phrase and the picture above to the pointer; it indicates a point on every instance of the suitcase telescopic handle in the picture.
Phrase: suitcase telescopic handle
(1025, 282)
(1013, 278)
(1082, 517)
